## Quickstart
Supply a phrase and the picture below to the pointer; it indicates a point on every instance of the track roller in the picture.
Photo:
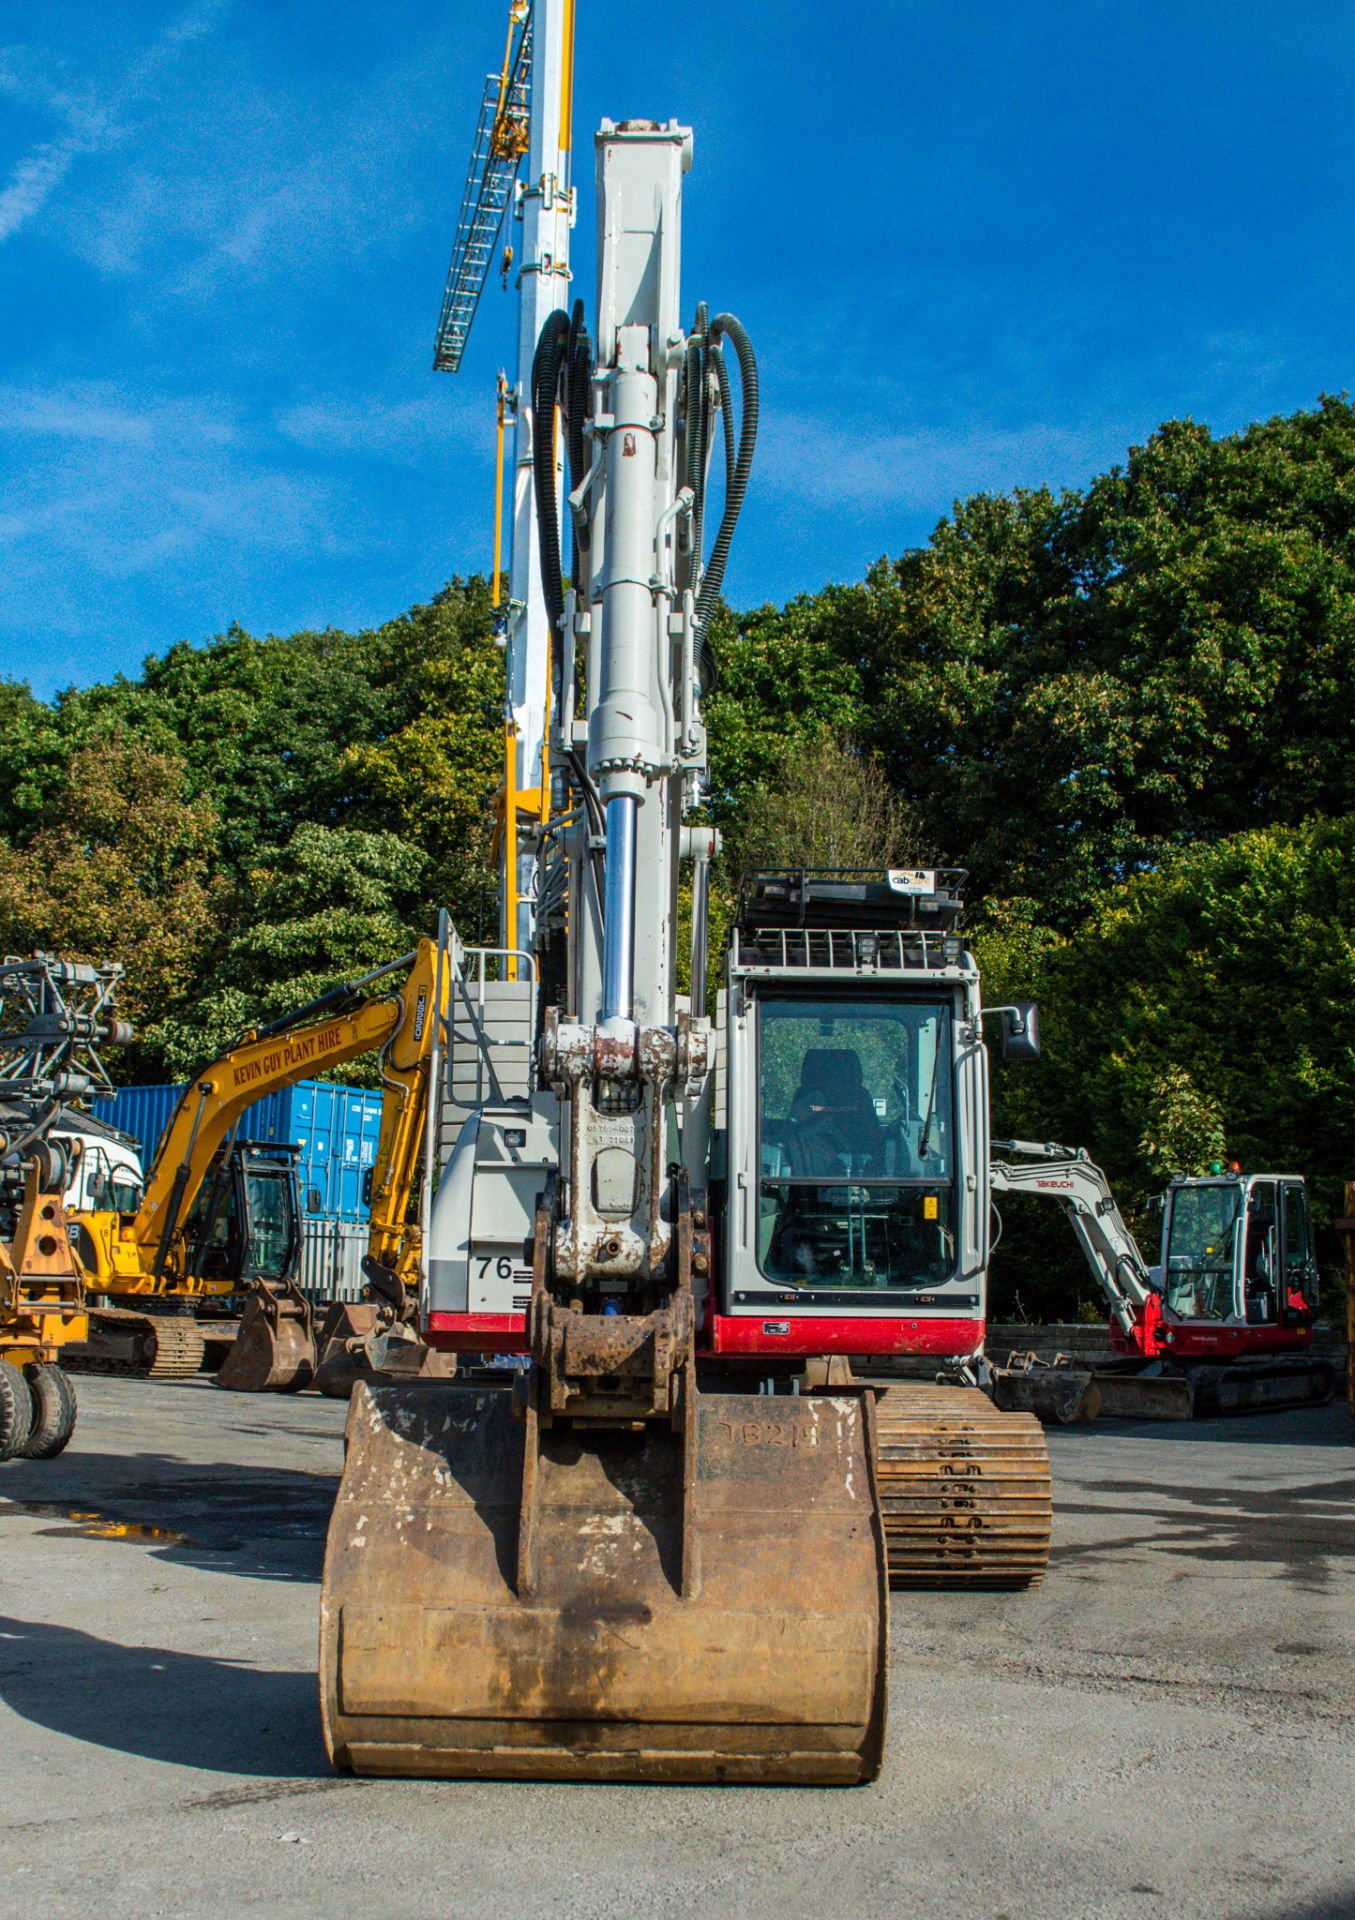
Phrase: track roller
(179, 1347)
(964, 1489)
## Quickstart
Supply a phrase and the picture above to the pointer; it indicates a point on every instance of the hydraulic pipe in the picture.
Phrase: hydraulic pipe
(618, 950)
(700, 932)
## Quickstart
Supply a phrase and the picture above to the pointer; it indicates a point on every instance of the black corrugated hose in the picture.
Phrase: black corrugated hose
(736, 479)
(546, 364)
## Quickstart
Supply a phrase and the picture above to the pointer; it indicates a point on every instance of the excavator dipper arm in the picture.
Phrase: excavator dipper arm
(1069, 1176)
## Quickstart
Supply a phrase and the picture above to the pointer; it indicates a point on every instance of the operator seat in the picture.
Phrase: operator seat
(832, 1129)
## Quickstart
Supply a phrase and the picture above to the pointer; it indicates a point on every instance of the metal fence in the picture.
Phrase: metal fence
(331, 1259)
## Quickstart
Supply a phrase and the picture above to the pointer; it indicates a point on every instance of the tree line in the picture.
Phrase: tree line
(1125, 709)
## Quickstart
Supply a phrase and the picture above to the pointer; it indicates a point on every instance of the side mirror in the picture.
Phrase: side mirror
(315, 1200)
(1021, 1031)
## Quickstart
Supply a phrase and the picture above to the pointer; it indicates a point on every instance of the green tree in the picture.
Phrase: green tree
(785, 676)
(823, 803)
(1183, 1129)
(333, 904)
(1219, 988)
(1074, 687)
(33, 757)
(120, 871)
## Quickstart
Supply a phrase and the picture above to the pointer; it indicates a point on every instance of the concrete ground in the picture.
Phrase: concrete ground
(1165, 1728)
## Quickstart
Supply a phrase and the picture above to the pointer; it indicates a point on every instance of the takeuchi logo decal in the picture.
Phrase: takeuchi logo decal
(286, 1055)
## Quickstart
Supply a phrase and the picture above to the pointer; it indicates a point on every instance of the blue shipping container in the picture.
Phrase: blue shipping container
(336, 1128)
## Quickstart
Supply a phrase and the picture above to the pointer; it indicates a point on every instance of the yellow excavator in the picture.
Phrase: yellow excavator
(219, 1215)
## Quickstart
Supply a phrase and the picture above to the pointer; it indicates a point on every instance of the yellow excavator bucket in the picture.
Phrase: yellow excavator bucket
(693, 1603)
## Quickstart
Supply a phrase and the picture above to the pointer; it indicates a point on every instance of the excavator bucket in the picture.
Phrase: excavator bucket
(1145, 1395)
(274, 1351)
(359, 1342)
(504, 1599)
(1057, 1395)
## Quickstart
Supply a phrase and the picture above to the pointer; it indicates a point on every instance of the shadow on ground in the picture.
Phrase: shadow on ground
(1301, 1531)
(1329, 1426)
(188, 1709)
(264, 1522)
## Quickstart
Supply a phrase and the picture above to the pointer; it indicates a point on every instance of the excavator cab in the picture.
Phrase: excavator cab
(855, 1107)
(1237, 1250)
(245, 1224)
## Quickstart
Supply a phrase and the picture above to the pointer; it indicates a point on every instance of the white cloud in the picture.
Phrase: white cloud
(32, 183)
(403, 431)
(91, 125)
(97, 410)
(118, 484)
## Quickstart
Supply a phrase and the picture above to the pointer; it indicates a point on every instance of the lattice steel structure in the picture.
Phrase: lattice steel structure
(54, 1016)
(501, 140)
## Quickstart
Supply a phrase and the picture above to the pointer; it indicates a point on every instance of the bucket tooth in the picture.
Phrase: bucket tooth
(511, 1601)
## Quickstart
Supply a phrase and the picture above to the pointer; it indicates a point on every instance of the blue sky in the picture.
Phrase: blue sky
(976, 245)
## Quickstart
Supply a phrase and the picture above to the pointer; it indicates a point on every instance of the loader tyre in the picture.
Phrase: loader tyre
(16, 1411)
(53, 1399)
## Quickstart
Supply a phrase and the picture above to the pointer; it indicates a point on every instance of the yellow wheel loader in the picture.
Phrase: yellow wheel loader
(55, 1014)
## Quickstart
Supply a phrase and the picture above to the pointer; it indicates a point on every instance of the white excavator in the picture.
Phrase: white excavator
(659, 1547)
(1223, 1324)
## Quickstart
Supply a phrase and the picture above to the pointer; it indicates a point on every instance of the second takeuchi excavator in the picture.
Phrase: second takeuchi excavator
(1223, 1324)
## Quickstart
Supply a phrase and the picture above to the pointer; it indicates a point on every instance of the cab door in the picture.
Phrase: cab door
(271, 1234)
(1261, 1256)
(1298, 1264)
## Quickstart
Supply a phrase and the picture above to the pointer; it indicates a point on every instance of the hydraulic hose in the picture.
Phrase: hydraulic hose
(736, 481)
(546, 364)
(706, 654)
(577, 377)
(717, 359)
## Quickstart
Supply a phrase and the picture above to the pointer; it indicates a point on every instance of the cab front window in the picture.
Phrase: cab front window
(1198, 1282)
(856, 1143)
(271, 1224)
